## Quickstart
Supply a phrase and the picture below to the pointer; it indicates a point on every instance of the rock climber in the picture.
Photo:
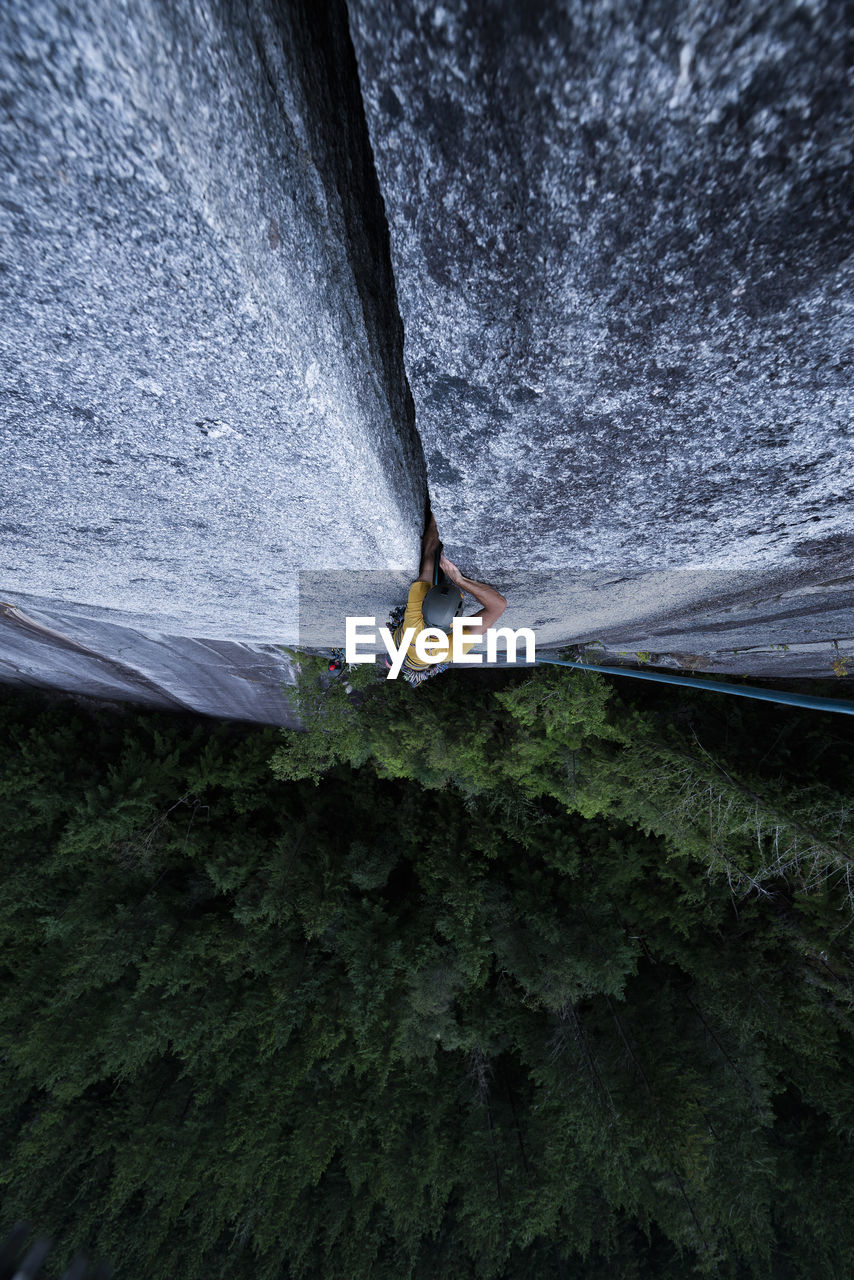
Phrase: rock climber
(433, 602)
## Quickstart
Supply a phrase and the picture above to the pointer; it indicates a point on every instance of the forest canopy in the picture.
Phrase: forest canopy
(514, 975)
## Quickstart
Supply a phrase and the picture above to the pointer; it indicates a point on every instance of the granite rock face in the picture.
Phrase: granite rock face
(622, 237)
(202, 383)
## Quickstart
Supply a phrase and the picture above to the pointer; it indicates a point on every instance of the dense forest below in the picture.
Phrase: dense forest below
(515, 975)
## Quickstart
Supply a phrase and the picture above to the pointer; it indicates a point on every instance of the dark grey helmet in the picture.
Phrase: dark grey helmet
(441, 605)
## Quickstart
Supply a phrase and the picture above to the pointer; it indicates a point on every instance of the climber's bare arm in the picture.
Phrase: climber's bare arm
(493, 601)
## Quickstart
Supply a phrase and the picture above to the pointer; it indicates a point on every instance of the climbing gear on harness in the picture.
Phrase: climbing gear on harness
(412, 675)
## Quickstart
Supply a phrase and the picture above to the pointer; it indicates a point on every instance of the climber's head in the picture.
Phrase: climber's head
(441, 605)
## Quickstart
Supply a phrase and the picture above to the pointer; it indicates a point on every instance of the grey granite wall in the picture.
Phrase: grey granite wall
(621, 239)
(200, 355)
(622, 235)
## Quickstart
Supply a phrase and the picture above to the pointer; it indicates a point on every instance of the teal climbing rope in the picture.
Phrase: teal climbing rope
(841, 705)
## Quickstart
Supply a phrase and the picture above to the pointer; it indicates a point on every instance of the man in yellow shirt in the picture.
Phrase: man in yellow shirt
(439, 611)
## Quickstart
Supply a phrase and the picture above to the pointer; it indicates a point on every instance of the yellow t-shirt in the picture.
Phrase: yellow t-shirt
(413, 617)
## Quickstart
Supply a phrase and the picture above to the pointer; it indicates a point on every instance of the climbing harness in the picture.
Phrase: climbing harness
(412, 675)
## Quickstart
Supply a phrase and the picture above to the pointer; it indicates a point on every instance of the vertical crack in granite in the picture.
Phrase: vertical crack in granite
(330, 76)
(202, 359)
(205, 355)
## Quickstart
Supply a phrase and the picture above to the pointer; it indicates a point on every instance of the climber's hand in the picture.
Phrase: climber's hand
(450, 570)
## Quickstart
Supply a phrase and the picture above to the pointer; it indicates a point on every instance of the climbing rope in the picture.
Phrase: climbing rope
(845, 707)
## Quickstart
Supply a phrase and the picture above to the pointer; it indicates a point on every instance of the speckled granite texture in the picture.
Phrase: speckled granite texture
(620, 236)
(202, 389)
(622, 239)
